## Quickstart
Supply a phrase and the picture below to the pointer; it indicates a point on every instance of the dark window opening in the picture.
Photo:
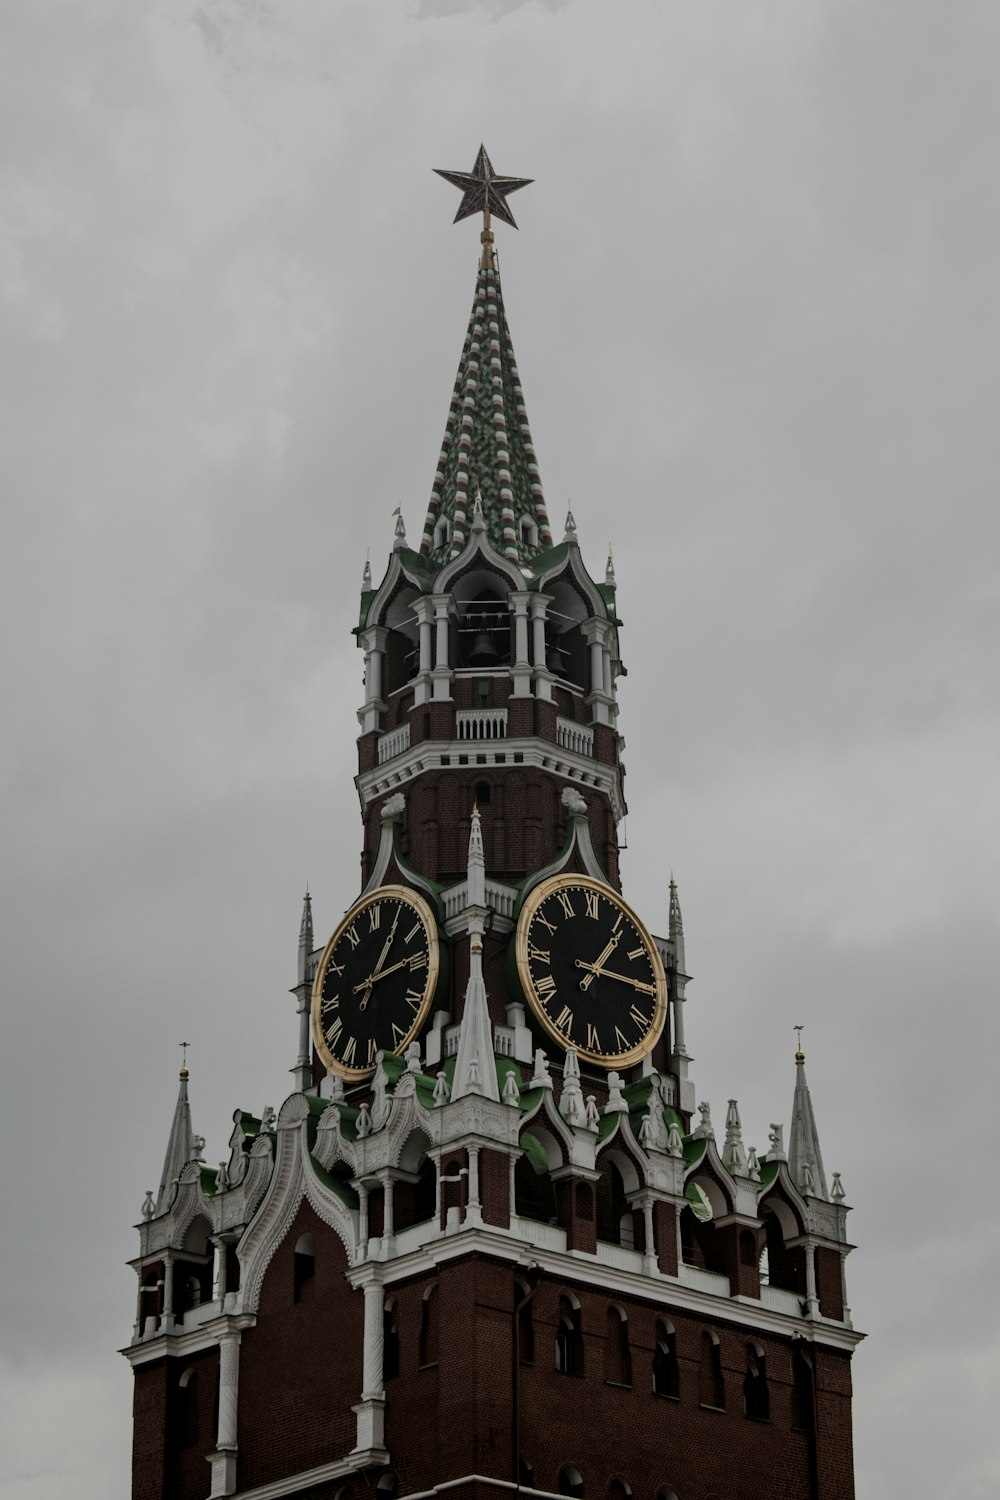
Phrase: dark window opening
(429, 1328)
(756, 1401)
(483, 792)
(570, 1481)
(390, 1343)
(569, 1340)
(304, 1269)
(617, 1355)
(666, 1370)
(711, 1387)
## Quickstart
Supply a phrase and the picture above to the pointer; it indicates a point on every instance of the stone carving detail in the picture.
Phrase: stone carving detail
(511, 1092)
(674, 1145)
(593, 1115)
(837, 1189)
(753, 1166)
(441, 1090)
(776, 1151)
(572, 800)
(706, 1129)
(148, 1208)
(541, 1078)
(616, 1099)
(381, 1102)
(394, 806)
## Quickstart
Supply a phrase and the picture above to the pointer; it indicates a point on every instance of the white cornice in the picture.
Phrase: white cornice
(581, 770)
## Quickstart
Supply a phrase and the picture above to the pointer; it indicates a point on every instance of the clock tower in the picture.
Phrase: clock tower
(491, 1243)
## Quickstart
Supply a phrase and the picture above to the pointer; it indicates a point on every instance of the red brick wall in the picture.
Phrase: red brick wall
(175, 1427)
(301, 1365)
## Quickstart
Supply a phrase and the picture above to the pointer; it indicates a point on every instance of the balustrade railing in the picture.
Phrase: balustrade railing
(393, 743)
(481, 723)
(573, 736)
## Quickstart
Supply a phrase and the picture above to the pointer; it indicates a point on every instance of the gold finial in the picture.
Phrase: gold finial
(799, 1054)
(184, 1049)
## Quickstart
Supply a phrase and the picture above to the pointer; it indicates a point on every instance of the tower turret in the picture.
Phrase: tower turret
(805, 1160)
(180, 1142)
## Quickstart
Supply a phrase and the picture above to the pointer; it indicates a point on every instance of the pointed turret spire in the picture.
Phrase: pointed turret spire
(180, 1143)
(676, 928)
(475, 1065)
(609, 571)
(487, 445)
(306, 943)
(366, 577)
(805, 1160)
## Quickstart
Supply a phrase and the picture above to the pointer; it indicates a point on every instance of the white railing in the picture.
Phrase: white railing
(203, 1313)
(503, 1041)
(545, 1236)
(704, 1281)
(573, 736)
(619, 1257)
(481, 723)
(499, 898)
(393, 743)
(781, 1301)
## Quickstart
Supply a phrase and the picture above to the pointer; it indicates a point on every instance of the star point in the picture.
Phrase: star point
(484, 191)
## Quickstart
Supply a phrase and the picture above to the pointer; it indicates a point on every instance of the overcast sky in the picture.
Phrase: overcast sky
(754, 302)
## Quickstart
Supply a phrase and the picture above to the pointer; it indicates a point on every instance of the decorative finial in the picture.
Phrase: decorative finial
(366, 576)
(400, 530)
(800, 1056)
(570, 535)
(609, 571)
(184, 1051)
(483, 191)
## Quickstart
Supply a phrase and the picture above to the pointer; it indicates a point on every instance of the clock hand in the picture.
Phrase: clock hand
(366, 983)
(637, 984)
(597, 967)
(367, 986)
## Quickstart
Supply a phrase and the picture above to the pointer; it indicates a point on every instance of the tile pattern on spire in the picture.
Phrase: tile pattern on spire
(487, 445)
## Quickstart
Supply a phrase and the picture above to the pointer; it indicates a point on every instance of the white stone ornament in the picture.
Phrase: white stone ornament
(381, 1101)
(475, 1083)
(675, 1146)
(572, 800)
(148, 1208)
(776, 1136)
(337, 1095)
(222, 1178)
(267, 1121)
(837, 1189)
(511, 1092)
(593, 1114)
(753, 1165)
(364, 1121)
(541, 1078)
(413, 1058)
(616, 1099)
(807, 1185)
(394, 806)
(705, 1127)
(441, 1090)
(734, 1157)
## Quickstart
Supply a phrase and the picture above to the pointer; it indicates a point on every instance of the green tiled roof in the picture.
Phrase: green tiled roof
(487, 445)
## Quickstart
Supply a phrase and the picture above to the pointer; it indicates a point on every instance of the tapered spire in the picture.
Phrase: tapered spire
(306, 943)
(805, 1160)
(487, 445)
(180, 1143)
(676, 928)
(475, 1065)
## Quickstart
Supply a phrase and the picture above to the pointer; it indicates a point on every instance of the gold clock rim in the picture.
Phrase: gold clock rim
(424, 911)
(533, 901)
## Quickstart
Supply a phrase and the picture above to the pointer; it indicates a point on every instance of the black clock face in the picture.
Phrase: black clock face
(591, 971)
(373, 987)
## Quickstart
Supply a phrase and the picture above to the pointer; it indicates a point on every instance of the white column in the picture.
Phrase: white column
(812, 1301)
(543, 677)
(473, 1211)
(363, 1220)
(371, 1380)
(606, 669)
(229, 1388)
(442, 669)
(167, 1317)
(220, 1267)
(387, 1212)
(595, 633)
(373, 641)
(424, 611)
(521, 671)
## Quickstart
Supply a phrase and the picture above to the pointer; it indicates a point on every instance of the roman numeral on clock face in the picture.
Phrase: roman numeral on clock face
(333, 967)
(564, 1020)
(418, 961)
(550, 927)
(333, 1032)
(546, 986)
(637, 1016)
(566, 903)
(374, 917)
(353, 936)
(623, 1044)
(593, 1040)
(398, 1036)
(593, 904)
(372, 1049)
(539, 955)
(636, 952)
(350, 1053)
(413, 997)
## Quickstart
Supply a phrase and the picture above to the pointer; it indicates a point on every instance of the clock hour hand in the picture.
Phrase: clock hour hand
(597, 967)
(637, 984)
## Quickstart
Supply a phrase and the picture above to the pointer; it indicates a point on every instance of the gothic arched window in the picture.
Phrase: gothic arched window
(569, 1339)
(187, 1397)
(617, 1356)
(711, 1387)
(303, 1268)
(756, 1401)
(570, 1481)
(390, 1341)
(666, 1371)
(429, 1328)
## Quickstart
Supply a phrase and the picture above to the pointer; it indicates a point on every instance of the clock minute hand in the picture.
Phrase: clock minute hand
(376, 972)
(637, 984)
(366, 983)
